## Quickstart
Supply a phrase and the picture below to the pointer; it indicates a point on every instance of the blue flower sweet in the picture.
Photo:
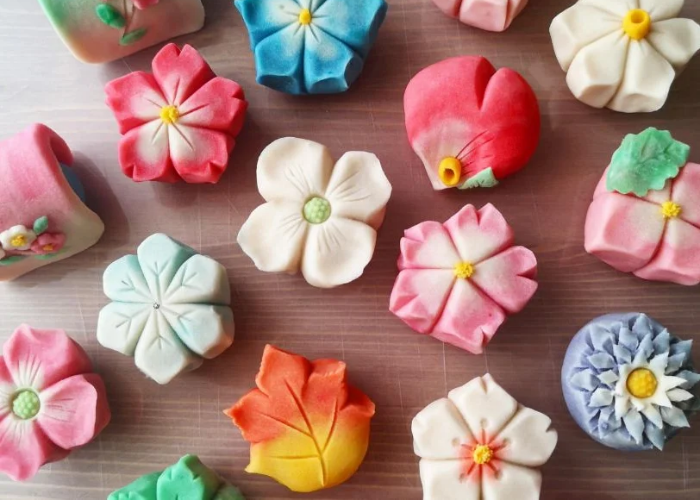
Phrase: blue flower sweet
(311, 46)
(628, 382)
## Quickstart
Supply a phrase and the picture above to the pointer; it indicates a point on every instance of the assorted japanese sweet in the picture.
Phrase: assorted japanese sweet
(645, 214)
(629, 383)
(179, 123)
(43, 216)
(311, 47)
(98, 31)
(490, 15)
(458, 281)
(170, 308)
(480, 443)
(623, 54)
(188, 479)
(307, 427)
(320, 217)
(471, 125)
(51, 402)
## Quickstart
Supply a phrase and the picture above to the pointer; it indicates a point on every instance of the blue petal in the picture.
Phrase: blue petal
(585, 380)
(655, 435)
(330, 66)
(683, 347)
(646, 347)
(622, 355)
(266, 17)
(352, 22)
(662, 342)
(279, 60)
(602, 360)
(601, 338)
(691, 378)
(628, 339)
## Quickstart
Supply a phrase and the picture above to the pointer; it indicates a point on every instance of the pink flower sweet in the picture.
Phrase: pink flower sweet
(50, 401)
(459, 280)
(48, 243)
(179, 123)
(144, 4)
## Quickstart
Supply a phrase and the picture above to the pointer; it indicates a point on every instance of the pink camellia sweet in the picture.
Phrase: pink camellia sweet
(48, 243)
(459, 280)
(50, 401)
(144, 4)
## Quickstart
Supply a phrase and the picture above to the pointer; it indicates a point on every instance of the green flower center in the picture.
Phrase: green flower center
(317, 210)
(26, 404)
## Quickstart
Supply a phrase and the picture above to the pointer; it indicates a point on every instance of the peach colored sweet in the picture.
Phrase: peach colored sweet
(459, 280)
(490, 15)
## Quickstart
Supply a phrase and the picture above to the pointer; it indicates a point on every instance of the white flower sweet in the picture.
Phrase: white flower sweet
(623, 54)
(480, 443)
(319, 218)
(17, 238)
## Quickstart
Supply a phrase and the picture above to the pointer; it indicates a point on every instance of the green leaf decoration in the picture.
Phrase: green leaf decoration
(484, 179)
(144, 488)
(644, 162)
(8, 261)
(110, 16)
(49, 256)
(133, 36)
(41, 225)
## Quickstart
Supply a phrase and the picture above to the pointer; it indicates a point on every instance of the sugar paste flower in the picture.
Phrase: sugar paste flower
(311, 47)
(17, 238)
(645, 214)
(627, 382)
(180, 123)
(50, 401)
(472, 126)
(458, 280)
(170, 309)
(320, 218)
(490, 15)
(188, 479)
(480, 443)
(307, 427)
(623, 54)
(48, 243)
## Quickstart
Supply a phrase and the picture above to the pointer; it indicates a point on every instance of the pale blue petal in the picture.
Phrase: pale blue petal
(160, 258)
(266, 17)
(585, 380)
(642, 326)
(646, 346)
(601, 397)
(683, 347)
(601, 338)
(355, 23)
(205, 330)
(609, 378)
(622, 355)
(674, 417)
(123, 281)
(628, 339)
(602, 360)
(691, 378)
(662, 342)
(675, 362)
(634, 425)
(280, 62)
(655, 435)
(330, 66)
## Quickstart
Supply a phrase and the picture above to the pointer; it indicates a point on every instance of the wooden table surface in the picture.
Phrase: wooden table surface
(152, 426)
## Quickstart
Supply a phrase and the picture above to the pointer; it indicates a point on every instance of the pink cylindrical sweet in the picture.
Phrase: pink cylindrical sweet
(490, 15)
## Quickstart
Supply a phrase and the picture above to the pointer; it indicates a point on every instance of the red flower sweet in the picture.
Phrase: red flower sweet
(48, 243)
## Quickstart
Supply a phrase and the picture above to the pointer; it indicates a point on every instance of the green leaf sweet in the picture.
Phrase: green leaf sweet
(645, 162)
(133, 36)
(41, 225)
(484, 179)
(110, 16)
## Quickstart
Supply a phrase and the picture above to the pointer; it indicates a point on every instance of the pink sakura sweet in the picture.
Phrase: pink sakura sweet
(459, 280)
(50, 401)
(490, 15)
(179, 123)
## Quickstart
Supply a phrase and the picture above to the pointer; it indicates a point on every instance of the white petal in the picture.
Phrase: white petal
(160, 257)
(658, 364)
(675, 417)
(358, 189)
(622, 406)
(528, 439)
(634, 425)
(337, 252)
(484, 406)
(512, 482)
(661, 9)
(617, 8)
(439, 431)
(274, 236)
(677, 40)
(647, 80)
(601, 397)
(120, 325)
(677, 395)
(293, 170)
(653, 415)
(442, 480)
(668, 382)
(206, 330)
(200, 280)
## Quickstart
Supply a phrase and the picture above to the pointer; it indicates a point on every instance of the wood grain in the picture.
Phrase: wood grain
(402, 371)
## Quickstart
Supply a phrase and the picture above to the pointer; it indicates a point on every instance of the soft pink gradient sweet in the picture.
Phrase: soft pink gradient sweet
(74, 406)
(631, 234)
(464, 312)
(144, 4)
(196, 147)
(48, 243)
(491, 15)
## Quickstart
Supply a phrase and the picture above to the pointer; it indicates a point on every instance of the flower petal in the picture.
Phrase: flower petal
(428, 245)
(274, 237)
(685, 191)
(199, 155)
(7, 389)
(121, 324)
(180, 72)
(124, 281)
(584, 379)
(661, 9)
(634, 425)
(677, 40)
(479, 235)
(24, 448)
(601, 397)
(512, 481)
(200, 280)
(144, 154)
(220, 105)
(266, 18)
(279, 60)
(618, 8)
(439, 431)
(358, 189)
(653, 415)
(419, 297)
(293, 169)
(355, 24)
(330, 66)
(444, 479)
(675, 417)
(205, 330)
(678, 395)
(528, 438)
(337, 252)
(678, 256)
(134, 99)
(160, 258)
(74, 410)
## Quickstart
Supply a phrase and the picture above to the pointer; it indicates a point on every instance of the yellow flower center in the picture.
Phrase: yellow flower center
(450, 171)
(19, 241)
(305, 17)
(169, 114)
(482, 454)
(642, 383)
(637, 24)
(464, 270)
(671, 210)
(48, 248)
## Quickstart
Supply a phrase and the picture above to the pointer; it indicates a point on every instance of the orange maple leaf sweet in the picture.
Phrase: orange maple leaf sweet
(307, 427)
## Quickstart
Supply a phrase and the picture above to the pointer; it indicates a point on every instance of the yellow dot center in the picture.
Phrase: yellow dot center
(482, 454)
(642, 383)
(19, 241)
(169, 114)
(305, 17)
(637, 24)
(450, 171)
(464, 270)
(671, 210)
(48, 248)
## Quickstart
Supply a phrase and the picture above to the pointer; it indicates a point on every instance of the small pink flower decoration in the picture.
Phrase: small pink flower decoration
(144, 4)
(459, 280)
(48, 243)
(50, 401)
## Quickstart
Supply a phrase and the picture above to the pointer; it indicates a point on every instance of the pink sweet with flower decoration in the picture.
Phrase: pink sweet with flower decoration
(50, 401)
(144, 4)
(180, 123)
(459, 280)
(48, 243)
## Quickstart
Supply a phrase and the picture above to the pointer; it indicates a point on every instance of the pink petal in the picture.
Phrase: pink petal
(657, 197)
(419, 296)
(199, 154)
(479, 235)
(24, 448)
(427, 246)
(180, 73)
(678, 258)
(7, 388)
(144, 154)
(74, 410)
(220, 104)
(40, 358)
(686, 191)
(134, 99)
(507, 278)
(144, 4)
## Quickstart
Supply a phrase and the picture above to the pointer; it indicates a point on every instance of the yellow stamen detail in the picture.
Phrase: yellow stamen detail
(482, 454)
(305, 17)
(169, 114)
(642, 383)
(47, 248)
(19, 241)
(637, 24)
(671, 210)
(464, 270)
(450, 171)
